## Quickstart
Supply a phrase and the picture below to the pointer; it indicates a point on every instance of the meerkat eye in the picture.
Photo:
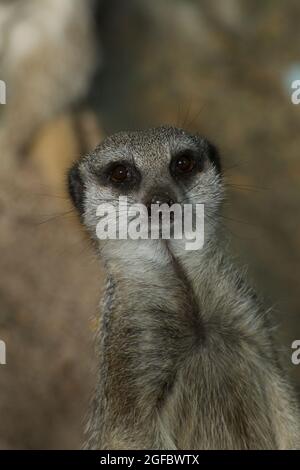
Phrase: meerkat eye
(184, 163)
(119, 174)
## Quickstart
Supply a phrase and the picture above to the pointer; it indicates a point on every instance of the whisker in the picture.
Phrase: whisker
(56, 216)
(56, 196)
(192, 121)
(241, 188)
(248, 186)
(187, 114)
(226, 228)
(243, 222)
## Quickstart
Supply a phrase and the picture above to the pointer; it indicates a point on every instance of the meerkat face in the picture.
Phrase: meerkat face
(155, 166)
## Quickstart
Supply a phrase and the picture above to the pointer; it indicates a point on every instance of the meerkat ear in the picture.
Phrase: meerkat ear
(76, 188)
(214, 156)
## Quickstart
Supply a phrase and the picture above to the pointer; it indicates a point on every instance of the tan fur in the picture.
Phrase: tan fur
(47, 58)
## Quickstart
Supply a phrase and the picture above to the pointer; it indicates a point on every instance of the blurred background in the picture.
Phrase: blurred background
(76, 70)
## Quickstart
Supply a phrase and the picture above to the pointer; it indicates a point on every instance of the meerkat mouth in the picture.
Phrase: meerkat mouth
(155, 222)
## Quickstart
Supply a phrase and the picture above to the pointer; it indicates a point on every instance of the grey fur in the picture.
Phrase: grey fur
(186, 355)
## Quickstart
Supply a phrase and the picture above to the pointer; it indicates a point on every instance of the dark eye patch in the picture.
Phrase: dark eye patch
(188, 162)
(185, 163)
(122, 175)
(76, 188)
(214, 156)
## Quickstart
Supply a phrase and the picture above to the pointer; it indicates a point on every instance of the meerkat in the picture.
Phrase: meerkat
(186, 358)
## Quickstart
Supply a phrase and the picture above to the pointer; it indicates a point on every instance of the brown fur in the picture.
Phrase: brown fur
(47, 59)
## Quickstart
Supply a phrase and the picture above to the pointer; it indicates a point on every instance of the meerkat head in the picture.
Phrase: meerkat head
(154, 166)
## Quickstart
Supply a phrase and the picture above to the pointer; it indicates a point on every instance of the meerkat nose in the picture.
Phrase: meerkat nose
(159, 199)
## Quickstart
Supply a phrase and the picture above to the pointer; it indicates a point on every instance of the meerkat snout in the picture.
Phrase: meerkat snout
(159, 198)
(162, 198)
